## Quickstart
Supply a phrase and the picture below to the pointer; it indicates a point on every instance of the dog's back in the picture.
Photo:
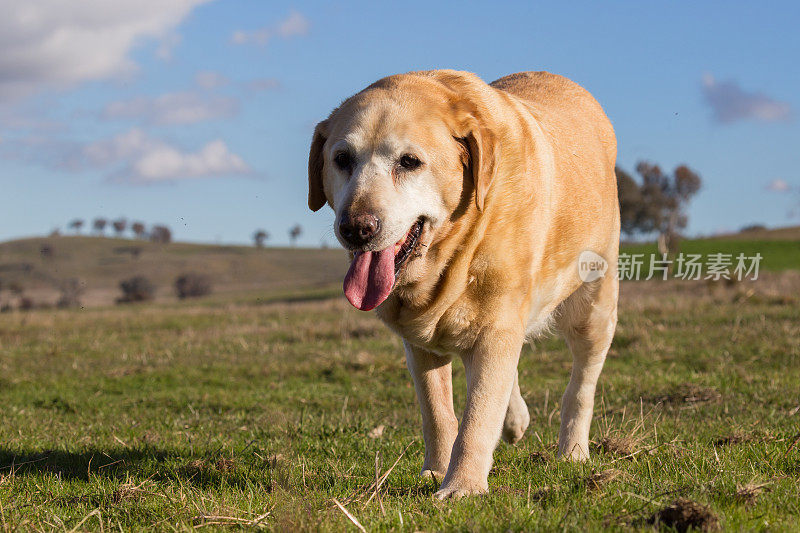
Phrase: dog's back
(562, 107)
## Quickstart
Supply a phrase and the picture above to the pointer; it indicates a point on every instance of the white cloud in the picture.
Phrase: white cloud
(210, 79)
(296, 24)
(166, 163)
(167, 46)
(262, 84)
(729, 103)
(137, 158)
(778, 185)
(53, 43)
(119, 148)
(173, 108)
(130, 157)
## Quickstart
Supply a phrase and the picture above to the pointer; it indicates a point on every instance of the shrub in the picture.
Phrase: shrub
(16, 288)
(192, 285)
(133, 251)
(71, 292)
(136, 289)
(138, 230)
(161, 234)
(753, 227)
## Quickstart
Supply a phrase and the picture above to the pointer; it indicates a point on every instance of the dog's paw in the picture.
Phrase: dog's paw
(459, 490)
(516, 421)
(428, 474)
(514, 428)
(575, 452)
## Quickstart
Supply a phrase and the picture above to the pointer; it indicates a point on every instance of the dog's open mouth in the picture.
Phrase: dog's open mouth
(371, 276)
(405, 246)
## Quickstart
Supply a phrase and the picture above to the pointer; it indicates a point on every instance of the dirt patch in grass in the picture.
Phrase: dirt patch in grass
(539, 457)
(600, 479)
(740, 437)
(619, 445)
(688, 393)
(276, 460)
(684, 514)
(749, 492)
(737, 437)
(543, 494)
(201, 466)
(224, 464)
(132, 491)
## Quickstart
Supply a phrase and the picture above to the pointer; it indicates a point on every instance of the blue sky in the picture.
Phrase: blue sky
(198, 114)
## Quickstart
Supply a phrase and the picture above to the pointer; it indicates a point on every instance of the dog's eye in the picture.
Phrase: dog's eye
(410, 162)
(343, 160)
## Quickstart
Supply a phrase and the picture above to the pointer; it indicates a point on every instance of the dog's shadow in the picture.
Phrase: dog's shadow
(132, 464)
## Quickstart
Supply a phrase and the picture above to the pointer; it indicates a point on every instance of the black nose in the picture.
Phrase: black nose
(358, 229)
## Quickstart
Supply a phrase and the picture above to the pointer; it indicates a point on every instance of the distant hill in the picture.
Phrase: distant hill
(789, 233)
(38, 265)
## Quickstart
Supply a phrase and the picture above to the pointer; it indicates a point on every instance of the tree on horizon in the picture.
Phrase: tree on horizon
(139, 230)
(76, 225)
(657, 203)
(99, 225)
(294, 233)
(161, 234)
(260, 237)
(120, 225)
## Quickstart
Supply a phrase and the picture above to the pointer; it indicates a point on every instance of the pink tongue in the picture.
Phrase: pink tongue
(370, 278)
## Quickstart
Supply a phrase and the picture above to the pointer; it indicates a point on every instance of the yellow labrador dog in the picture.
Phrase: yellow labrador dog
(469, 210)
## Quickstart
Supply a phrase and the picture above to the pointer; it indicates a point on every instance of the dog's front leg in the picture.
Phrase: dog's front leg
(491, 368)
(433, 381)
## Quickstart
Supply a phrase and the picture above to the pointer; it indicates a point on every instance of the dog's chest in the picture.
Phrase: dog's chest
(447, 333)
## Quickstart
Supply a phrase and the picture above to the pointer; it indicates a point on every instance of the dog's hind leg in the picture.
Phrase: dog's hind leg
(587, 321)
(517, 416)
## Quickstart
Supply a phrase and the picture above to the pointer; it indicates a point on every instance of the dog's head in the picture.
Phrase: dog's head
(395, 162)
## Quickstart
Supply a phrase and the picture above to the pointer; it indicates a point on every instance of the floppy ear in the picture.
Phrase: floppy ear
(483, 153)
(316, 191)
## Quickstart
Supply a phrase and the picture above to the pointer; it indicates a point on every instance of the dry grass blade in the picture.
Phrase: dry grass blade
(216, 520)
(377, 484)
(347, 513)
(96, 513)
(795, 441)
(377, 476)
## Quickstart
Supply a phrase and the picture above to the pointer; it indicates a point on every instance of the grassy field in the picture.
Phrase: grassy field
(777, 254)
(243, 414)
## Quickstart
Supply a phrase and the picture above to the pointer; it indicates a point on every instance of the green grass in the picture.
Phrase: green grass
(154, 417)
